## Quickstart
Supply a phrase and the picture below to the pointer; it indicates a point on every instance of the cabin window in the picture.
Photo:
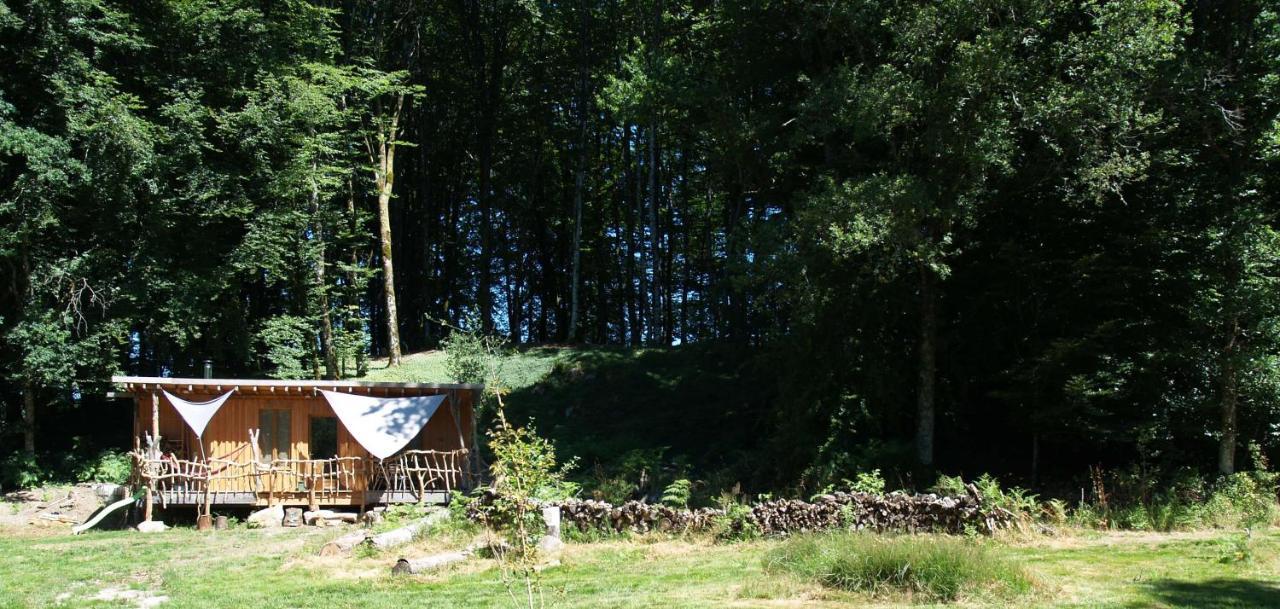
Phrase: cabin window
(324, 437)
(275, 433)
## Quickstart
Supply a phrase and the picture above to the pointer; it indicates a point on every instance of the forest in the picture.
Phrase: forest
(1018, 236)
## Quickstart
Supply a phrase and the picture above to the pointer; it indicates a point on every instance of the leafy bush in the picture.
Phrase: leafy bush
(930, 568)
(471, 357)
(21, 470)
(871, 483)
(525, 472)
(1246, 499)
(110, 466)
(1236, 549)
(1136, 499)
(735, 522)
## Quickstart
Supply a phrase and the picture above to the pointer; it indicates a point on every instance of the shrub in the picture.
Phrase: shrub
(871, 483)
(930, 568)
(471, 357)
(1137, 499)
(1246, 499)
(21, 470)
(525, 473)
(110, 466)
(734, 522)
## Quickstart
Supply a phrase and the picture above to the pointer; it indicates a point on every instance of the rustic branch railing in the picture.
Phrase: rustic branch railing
(418, 471)
(321, 480)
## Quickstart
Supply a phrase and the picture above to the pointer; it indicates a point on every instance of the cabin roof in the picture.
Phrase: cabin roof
(142, 384)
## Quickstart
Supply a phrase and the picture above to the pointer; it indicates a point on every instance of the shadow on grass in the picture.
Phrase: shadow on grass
(703, 405)
(1216, 593)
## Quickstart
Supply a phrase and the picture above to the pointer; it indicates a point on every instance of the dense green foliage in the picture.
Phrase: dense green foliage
(1024, 237)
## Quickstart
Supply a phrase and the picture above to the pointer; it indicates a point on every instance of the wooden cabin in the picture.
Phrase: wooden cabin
(204, 442)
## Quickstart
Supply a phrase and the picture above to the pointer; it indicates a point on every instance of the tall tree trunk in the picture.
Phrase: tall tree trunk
(634, 316)
(1229, 398)
(352, 292)
(484, 291)
(579, 182)
(384, 176)
(330, 355)
(642, 296)
(576, 277)
(655, 258)
(28, 417)
(927, 367)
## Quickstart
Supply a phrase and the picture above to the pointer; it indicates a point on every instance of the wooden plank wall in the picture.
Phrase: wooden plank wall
(227, 436)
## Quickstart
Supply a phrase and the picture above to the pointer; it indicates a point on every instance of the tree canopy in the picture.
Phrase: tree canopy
(1027, 235)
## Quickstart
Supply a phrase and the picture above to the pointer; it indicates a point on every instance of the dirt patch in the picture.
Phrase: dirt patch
(144, 599)
(54, 508)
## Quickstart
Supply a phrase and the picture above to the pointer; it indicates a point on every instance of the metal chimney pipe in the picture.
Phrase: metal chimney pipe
(208, 368)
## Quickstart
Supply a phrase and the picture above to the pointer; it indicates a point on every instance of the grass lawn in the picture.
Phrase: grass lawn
(521, 369)
(280, 569)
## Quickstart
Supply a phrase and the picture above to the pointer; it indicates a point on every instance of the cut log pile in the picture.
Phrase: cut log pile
(634, 516)
(890, 512)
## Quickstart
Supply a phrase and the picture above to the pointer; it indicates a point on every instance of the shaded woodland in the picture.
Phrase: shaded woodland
(1024, 236)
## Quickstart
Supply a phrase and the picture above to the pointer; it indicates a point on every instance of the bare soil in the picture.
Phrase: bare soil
(53, 508)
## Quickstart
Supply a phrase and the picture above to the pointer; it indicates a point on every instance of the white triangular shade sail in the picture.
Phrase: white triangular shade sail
(383, 426)
(197, 414)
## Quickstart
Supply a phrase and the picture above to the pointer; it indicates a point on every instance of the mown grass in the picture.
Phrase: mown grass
(914, 567)
(520, 369)
(279, 569)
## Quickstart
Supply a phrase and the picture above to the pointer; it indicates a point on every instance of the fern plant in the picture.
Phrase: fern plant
(677, 494)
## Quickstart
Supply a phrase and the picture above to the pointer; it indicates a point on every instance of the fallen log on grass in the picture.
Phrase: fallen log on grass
(404, 534)
(414, 566)
(343, 544)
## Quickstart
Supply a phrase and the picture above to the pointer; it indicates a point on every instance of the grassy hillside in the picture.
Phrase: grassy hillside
(635, 418)
(520, 369)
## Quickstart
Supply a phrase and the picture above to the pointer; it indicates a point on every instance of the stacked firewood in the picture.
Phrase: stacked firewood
(636, 516)
(892, 512)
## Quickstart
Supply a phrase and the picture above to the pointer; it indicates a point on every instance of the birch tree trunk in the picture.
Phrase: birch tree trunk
(384, 177)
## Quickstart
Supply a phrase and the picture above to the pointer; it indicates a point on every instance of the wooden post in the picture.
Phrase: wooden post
(155, 433)
(312, 505)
